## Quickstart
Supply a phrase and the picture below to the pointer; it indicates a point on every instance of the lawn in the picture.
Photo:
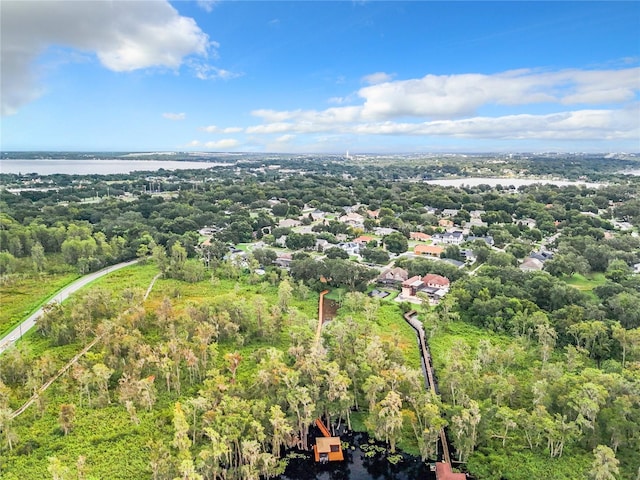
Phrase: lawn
(586, 282)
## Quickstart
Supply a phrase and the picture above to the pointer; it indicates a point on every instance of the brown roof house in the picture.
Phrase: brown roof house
(362, 240)
(393, 275)
(428, 250)
(435, 281)
(531, 265)
(420, 236)
(353, 219)
(411, 286)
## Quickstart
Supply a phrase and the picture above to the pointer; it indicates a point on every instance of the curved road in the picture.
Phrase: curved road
(61, 296)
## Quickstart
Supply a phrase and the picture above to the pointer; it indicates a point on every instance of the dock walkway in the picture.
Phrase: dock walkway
(443, 469)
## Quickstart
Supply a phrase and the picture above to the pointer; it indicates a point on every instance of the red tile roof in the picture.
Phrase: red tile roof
(428, 249)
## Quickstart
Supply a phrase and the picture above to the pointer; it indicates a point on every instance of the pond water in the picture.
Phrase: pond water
(357, 466)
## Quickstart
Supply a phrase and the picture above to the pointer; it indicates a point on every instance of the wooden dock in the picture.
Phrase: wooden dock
(320, 315)
(443, 469)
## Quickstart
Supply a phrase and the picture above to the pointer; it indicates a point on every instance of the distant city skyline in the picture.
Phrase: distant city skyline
(320, 77)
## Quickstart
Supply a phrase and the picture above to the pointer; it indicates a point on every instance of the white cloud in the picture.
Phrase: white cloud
(574, 125)
(442, 96)
(280, 127)
(448, 106)
(569, 125)
(124, 35)
(204, 71)
(174, 116)
(207, 5)
(285, 138)
(378, 77)
(215, 129)
(223, 144)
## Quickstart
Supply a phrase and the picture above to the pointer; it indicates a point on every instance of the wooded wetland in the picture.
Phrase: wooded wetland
(204, 361)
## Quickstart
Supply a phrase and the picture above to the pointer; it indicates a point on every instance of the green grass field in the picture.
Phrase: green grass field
(21, 297)
(586, 282)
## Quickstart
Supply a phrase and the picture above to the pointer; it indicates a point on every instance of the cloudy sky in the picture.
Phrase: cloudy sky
(363, 76)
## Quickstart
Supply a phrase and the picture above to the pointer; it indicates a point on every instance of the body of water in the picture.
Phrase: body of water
(96, 166)
(357, 465)
(505, 182)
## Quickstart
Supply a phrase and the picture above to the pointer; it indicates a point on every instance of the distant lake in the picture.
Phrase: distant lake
(505, 182)
(97, 167)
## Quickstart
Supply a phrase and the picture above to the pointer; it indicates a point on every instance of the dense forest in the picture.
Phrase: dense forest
(217, 372)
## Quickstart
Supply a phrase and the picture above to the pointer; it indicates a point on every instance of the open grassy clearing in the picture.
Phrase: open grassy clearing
(20, 297)
(586, 282)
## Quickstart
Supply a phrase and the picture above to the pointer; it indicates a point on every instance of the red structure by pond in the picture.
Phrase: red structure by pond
(327, 448)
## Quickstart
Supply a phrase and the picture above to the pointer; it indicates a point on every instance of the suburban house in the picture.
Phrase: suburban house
(322, 245)
(382, 231)
(428, 250)
(351, 248)
(449, 212)
(430, 210)
(529, 222)
(353, 219)
(411, 286)
(542, 255)
(531, 265)
(393, 275)
(434, 286)
(454, 262)
(318, 215)
(289, 223)
(488, 239)
(435, 281)
(475, 222)
(284, 260)
(362, 240)
(419, 236)
(468, 254)
(448, 238)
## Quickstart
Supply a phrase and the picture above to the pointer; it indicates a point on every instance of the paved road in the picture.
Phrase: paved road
(61, 296)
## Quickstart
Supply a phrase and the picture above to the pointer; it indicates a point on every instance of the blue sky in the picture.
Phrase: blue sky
(310, 76)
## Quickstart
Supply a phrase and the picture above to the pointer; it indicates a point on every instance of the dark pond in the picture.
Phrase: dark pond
(357, 466)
